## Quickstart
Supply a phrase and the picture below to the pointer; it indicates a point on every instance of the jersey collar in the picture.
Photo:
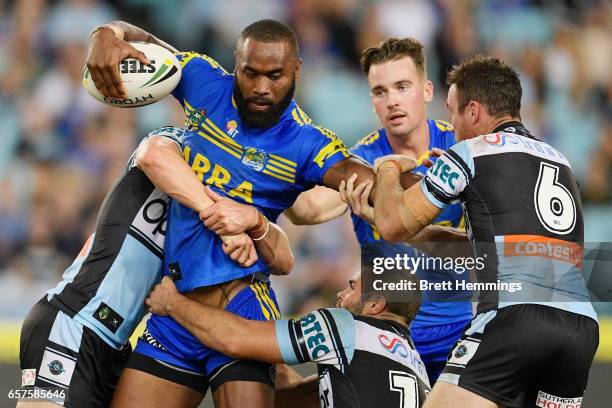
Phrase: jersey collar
(514, 127)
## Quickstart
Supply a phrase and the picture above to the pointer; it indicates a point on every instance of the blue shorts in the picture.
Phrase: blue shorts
(164, 339)
(434, 344)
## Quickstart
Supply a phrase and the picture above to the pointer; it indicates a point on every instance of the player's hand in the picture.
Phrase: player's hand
(240, 248)
(357, 197)
(105, 53)
(226, 216)
(406, 163)
(161, 297)
(435, 152)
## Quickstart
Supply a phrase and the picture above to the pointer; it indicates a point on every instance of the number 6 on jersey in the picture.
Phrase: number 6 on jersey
(554, 204)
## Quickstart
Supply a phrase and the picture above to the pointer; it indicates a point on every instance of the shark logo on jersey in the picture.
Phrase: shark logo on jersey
(393, 346)
(461, 351)
(254, 158)
(56, 367)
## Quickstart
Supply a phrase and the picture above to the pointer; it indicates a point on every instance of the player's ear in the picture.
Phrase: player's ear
(298, 69)
(428, 90)
(473, 112)
(377, 305)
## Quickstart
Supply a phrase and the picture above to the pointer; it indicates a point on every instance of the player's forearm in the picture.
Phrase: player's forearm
(354, 165)
(130, 32)
(389, 206)
(315, 206)
(344, 169)
(224, 331)
(275, 250)
(211, 325)
(163, 164)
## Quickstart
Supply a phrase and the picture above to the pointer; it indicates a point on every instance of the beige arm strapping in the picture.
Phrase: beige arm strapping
(421, 212)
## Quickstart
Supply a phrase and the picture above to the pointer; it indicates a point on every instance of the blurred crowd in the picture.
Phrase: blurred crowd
(60, 150)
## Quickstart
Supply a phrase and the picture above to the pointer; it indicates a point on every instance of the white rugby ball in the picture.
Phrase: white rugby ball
(143, 84)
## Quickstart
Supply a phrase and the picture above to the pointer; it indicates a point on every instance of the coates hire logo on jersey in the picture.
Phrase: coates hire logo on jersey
(393, 346)
(500, 139)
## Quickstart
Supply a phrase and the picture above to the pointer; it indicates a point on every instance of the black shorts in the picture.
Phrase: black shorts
(58, 353)
(237, 370)
(525, 355)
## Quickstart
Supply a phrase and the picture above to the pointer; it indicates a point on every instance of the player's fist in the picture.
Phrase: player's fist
(106, 50)
(240, 248)
(405, 163)
(357, 197)
(161, 297)
(226, 216)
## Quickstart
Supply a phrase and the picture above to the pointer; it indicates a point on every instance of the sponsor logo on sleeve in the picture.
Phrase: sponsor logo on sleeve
(108, 317)
(463, 352)
(56, 368)
(445, 173)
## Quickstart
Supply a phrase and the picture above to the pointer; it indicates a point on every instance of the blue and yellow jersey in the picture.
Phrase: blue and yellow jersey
(265, 168)
(375, 145)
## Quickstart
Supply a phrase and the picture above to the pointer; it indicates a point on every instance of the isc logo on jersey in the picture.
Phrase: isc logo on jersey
(143, 84)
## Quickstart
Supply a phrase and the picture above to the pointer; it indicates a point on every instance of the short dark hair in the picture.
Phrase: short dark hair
(489, 81)
(270, 31)
(394, 49)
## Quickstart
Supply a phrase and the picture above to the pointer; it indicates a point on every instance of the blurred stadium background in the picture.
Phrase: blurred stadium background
(60, 150)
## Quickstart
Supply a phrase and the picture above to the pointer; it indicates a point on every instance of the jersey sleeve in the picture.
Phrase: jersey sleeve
(173, 133)
(449, 176)
(325, 336)
(324, 150)
(198, 75)
(359, 151)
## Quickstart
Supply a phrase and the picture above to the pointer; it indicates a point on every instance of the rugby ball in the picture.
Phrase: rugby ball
(144, 84)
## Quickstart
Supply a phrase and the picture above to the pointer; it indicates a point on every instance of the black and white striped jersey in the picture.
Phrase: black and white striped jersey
(363, 362)
(523, 215)
(106, 285)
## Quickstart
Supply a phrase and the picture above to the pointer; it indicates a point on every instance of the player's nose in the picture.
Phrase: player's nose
(392, 99)
(262, 86)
